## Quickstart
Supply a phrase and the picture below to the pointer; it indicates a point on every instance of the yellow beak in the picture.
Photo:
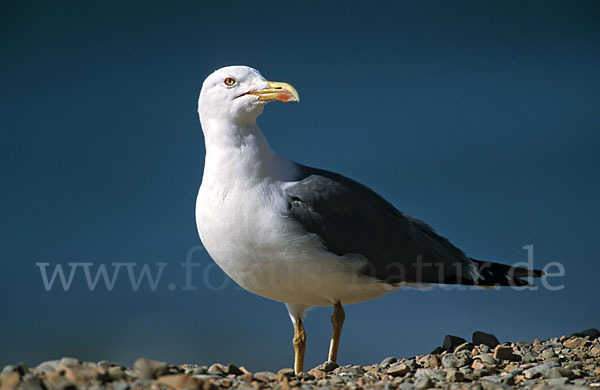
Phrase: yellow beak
(277, 91)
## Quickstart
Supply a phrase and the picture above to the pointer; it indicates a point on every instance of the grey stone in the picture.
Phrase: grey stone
(406, 386)
(558, 381)
(266, 374)
(485, 338)
(437, 375)
(548, 354)
(149, 369)
(327, 366)
(464, 347)
(540, 369)
(423, 383)
(528, 357)
(69, 361)
(216, 369)
(398, 369)
(205, 377)
(480, 372)
(559, 372)
(486, 358)
(451, 342)
(355, 370)
(387, 361)
(120, 385)
(454, 375)
(504, 379)
(200, 370)
(451, 360)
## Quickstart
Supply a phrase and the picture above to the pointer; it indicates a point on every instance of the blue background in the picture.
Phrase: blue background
(480, 118)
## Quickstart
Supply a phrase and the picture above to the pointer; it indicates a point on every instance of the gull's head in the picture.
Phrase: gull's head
(238, 94)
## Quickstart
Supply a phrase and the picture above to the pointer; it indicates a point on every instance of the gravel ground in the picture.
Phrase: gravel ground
(559, 363)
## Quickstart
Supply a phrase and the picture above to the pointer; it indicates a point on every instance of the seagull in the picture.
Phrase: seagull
(306, 236)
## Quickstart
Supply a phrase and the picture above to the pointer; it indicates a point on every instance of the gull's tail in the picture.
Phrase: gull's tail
(495, 274)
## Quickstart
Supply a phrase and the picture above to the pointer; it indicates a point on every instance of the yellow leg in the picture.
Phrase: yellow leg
(337, 321)
(299, 346)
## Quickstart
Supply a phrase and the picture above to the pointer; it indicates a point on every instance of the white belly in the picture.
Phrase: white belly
(248, 236)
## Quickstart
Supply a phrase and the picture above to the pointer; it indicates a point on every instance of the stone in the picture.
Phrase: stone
(464, 347)
(217, 369)
(9, 379)
(559, 372)
(30, 382)
(179, 381)
(422, 383)
(529, 356)
(398, 369)
(149, 369)
(592, 333)
(595, 351)
(265, 376)
(284, 372)
(451, 342)
(200, 370)
(503, 352)
(387, 361)
(558, 382)
(540, 369)
(317, 373)
(436, 375)
(547, 354)
(232, 369)
(487, 358)
(115, 373)
(454, 375)
(57, 381)
(79, 374)
(451, 360)
(46, 367)
(575, 342)
(69, 361)
(501, 379)
(327, 366)
(485, 338)
(433, 361)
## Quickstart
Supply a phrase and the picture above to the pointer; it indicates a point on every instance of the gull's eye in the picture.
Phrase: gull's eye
(229, 81)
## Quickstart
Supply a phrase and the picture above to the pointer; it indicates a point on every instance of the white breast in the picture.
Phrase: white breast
(247, 234)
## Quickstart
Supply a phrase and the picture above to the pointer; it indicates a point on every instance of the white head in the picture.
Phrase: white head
(238, 94)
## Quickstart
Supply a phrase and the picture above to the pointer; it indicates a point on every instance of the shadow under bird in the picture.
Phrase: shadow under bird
(305, 236)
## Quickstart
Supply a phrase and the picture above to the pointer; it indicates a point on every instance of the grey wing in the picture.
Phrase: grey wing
(350, 218)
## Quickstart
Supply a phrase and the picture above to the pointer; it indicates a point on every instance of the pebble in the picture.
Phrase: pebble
(397, 369)
(451, 360)
(560, 363)
(540, 369)
(451, 342)
(504, 352)
(487, 358)
(575, 342)
(485, 338)
(149, 369)
(387, 361)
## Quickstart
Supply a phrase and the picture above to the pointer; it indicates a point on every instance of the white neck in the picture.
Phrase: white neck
(241, 151)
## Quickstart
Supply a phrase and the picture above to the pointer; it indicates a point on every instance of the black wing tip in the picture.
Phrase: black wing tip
(497, 274)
